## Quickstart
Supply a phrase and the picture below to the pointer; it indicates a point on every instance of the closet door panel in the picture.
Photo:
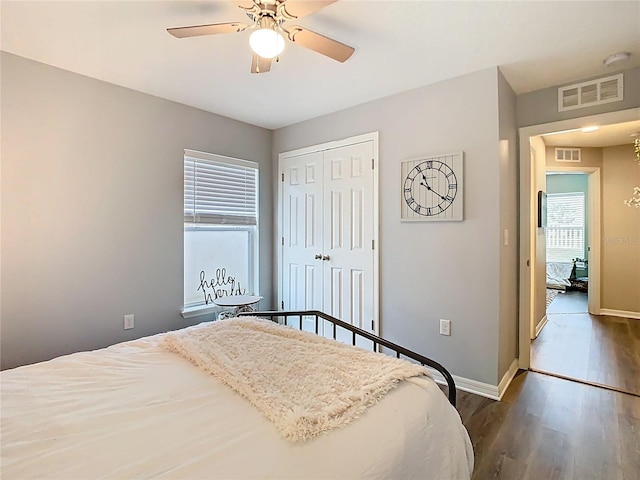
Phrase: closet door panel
(348, 233)
(302, 234)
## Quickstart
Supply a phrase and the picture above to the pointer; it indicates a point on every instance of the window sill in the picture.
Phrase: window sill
(199, 311)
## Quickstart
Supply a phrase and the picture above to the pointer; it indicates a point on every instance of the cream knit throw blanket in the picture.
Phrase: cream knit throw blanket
(303, 383)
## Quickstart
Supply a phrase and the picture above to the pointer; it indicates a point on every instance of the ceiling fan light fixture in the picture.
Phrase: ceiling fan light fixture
(266, 42)
(268, 33)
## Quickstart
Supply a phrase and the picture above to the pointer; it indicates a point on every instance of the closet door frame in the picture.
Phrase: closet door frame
(367, 137)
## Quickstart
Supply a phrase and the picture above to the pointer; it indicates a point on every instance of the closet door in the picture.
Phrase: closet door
(328, 225)
(348, 232)
(302, 233)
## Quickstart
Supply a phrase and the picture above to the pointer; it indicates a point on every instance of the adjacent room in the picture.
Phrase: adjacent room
(293, 231)
(578, 340)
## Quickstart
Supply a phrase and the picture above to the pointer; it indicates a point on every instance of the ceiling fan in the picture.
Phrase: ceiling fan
(267, 39)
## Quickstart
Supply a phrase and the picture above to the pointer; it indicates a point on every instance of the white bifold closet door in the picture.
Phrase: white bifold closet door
(328, 233)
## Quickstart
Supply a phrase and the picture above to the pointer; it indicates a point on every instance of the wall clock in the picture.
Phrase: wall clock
(432, 188)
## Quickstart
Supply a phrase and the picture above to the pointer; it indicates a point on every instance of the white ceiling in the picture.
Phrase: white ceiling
(399, 45)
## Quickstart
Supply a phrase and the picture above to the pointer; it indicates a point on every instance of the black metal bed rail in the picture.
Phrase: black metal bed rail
(355, 331)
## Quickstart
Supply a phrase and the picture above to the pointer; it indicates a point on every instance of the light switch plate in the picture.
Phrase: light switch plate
(445, 327)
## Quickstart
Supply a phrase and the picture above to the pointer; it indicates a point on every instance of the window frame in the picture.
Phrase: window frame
(195, 222)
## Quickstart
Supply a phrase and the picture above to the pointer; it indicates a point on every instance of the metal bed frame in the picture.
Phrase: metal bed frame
(358, 332)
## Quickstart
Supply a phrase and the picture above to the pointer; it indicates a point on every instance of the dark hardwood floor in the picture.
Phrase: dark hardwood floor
(591, 348)
(549, 428)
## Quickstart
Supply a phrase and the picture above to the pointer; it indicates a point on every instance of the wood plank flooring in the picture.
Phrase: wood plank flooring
(598, 349)
(569, 302)
(549, 428)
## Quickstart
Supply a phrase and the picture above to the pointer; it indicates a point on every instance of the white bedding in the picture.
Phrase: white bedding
(309, 406)
(558, 274)
(134, 410)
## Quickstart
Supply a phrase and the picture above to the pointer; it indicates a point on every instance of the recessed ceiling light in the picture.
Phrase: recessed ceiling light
(590, 129)
(616, 59)
(559, 132)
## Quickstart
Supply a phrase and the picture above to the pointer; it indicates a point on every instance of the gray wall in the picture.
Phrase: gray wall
(92, 222)
(509, 204)
(438, 270)
(541, 106)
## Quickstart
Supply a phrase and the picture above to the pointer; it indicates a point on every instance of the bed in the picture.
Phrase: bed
(558, 275)
(138, 409)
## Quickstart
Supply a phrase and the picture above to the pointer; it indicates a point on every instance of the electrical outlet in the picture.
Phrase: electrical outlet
(445, 327)
(128, 322)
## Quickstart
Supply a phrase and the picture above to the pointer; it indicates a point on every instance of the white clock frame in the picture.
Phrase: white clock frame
(454, 212)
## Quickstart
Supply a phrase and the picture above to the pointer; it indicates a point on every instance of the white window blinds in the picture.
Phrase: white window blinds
(219, 190)
(565, 226)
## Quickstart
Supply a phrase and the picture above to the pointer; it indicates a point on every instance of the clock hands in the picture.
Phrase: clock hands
(426, 184)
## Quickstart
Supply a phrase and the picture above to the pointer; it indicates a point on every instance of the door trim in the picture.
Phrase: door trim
(366, 137)
(528, 192)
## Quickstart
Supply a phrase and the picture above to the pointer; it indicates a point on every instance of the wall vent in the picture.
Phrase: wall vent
(588, 94)
(567, 154)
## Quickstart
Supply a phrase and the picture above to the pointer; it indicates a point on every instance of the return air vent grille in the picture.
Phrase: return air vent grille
(567, 154)
(588, 94)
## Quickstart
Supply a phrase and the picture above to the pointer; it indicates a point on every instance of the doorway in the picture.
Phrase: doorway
(561, 346)
(569, 220)
(561, 318)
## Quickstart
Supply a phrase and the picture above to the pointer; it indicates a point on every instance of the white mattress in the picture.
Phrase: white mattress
(134, 410)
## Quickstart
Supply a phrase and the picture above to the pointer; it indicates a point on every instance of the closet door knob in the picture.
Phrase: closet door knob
(318, 257)
(325, 257)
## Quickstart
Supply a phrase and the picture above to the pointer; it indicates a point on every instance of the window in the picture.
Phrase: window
(220, 227)
(565, 226)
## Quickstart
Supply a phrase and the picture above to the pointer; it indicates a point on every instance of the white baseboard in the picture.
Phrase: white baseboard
(540, 326)
(619, 313)
(508, 376)
(479, 388)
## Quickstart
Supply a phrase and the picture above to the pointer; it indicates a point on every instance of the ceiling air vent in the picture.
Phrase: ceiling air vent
(588, 94)
(567, 154)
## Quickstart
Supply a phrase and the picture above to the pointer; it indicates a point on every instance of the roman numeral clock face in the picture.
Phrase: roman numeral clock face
(432, 189)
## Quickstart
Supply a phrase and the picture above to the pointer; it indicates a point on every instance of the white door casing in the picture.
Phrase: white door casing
(328, 229)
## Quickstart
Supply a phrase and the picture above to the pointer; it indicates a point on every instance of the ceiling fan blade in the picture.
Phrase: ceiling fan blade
(259, 64)
(213, 29)
(299, 8)
(319, 43)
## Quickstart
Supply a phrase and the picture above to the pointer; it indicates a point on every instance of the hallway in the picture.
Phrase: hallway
(596, 349)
